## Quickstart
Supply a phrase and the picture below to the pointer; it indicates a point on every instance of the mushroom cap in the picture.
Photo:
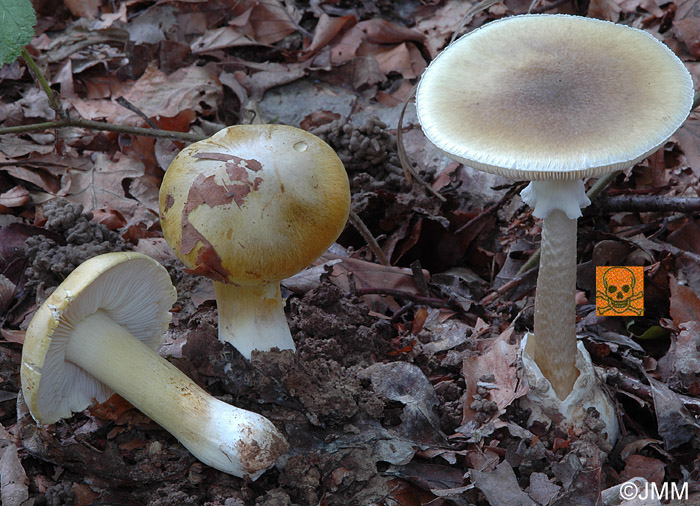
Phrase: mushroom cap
(254, 204)
(133, 289)
(553, 96)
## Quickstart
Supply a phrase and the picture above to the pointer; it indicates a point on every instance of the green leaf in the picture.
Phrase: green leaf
(653, 333)
(17, 20)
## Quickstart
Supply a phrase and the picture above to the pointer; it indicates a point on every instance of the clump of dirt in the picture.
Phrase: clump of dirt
(50, 262)
(331, 417)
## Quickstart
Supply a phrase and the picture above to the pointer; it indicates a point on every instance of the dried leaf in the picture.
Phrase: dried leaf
(675, 424)
(220, 38)
(500, 486)
(326, 30)
(541, 489)
(500, 361)
(269, 20)
(83, 8)
(653, 470)
(406, 383)
(157, 94)
(14, 197)
(13, 479)
(685, 304)
(604, 9)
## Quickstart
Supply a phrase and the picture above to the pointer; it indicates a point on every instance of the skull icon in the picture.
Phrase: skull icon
(620, 295)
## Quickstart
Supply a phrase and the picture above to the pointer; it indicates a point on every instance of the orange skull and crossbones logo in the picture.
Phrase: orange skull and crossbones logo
(621, 293)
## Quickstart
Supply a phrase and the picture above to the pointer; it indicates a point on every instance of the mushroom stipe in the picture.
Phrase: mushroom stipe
(249, 207)
(96, 334)
(553, 99)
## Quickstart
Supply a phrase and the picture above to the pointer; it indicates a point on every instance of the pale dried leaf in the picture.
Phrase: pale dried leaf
(14, 197)
(500, 486)
(13, 479)
(83, 8)
(604, 9)
(500, 360)
(220, 38)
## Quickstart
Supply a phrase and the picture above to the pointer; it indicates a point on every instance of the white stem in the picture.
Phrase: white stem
(233, 440)
(252, 317)
(555, 303)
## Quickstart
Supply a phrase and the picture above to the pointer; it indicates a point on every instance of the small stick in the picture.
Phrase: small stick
(419, 299)
(418, 277)
(359, 225)
(100, 125)
(649, 203)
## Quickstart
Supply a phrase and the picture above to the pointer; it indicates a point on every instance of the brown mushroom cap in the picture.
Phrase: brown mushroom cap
(254, 204)
(553, 97)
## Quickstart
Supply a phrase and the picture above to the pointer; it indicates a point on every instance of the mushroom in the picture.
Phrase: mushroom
(554, 99)
(249, 207)
(96, 334)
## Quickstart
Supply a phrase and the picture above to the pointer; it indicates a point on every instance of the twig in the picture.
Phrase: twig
(490, 210)
(64, 120)
(39, 76)
(128, 105)
(649, 203)
(408, 171)
(419, 299)
(513, 283)
(360, 226)
(100, 125)
(418, 277)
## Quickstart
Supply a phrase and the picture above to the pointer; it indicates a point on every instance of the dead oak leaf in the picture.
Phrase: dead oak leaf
(685, 304)
(14, 197)
(100, 187)
(608, 10)
(265, 22)
(404, 59)
(368, 37)
(439, 25)
(220, 38)
(158, 95)
(326, 30)
(499, 360)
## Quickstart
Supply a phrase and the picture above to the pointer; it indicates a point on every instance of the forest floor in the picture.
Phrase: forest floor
(386, 400)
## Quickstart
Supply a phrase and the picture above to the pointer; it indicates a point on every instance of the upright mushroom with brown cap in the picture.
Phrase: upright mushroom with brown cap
(249, 207)
(96, 334)
(554, 99)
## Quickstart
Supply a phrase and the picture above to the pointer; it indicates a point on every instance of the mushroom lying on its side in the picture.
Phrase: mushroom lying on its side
(96, 334)
(554, 99)
(249, 207)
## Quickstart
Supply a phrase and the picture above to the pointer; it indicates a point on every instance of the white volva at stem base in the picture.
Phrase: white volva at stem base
(252, 317)
(233, 440)
(542, 400)
(559, 204)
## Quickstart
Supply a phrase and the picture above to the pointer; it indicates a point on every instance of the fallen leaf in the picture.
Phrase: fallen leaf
(541, 489)
(326, 29)
(608, 10)
(13, 479)
(653, 470)
(500, 486)
(220, 38)
(675, 424)
(270, 21)
(498, 360)
(406, 383)
(83, 8)
(685, 304)
(157, 94)
(14, 197)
